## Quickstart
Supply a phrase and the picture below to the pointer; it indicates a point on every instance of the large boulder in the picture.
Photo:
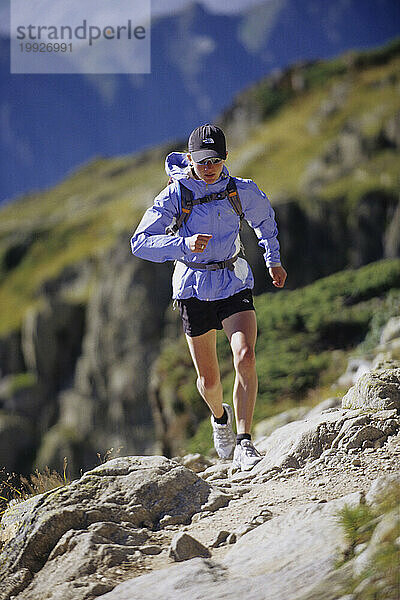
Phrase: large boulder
(60, 539)
(378, 389)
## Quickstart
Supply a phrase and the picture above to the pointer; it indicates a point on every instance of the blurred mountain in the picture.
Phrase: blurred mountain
(50, 124)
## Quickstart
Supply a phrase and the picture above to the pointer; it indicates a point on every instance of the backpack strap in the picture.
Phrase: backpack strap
(186, 209)
(188, 201)
(234, 199)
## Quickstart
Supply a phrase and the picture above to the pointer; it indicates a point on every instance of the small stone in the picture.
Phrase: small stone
(216, 501)
(184, 547)
(151, 550)
(244, 529)
(258, 520)
(231, 539)
(356, 462)
(220, 539)
(196, 517)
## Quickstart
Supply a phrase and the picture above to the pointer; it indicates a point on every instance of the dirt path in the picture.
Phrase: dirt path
(333, 475)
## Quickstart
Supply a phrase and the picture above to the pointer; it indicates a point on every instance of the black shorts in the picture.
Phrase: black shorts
(200, 316)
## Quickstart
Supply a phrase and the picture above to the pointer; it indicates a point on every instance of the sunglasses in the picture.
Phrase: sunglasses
(209, 161)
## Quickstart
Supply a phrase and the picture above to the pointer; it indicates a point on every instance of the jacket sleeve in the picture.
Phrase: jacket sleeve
(261, 217)
(150, 240)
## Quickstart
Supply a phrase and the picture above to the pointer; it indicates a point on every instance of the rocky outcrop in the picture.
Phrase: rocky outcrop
(106, 405)
(292, 445)
(64, 538)
(51, 343)
(89, 346)
(372, 232)
(378, 389)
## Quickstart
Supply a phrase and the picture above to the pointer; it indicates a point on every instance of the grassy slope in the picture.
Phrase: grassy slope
(286, 146)
(77, 219)
(82, 216)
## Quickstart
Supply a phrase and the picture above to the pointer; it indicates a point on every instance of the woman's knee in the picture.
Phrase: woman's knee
(245, 358)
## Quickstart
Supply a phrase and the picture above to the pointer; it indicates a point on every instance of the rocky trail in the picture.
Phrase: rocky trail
(121, 524)
(138, 528)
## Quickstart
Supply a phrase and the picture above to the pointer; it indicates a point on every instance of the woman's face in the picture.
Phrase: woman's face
(209, 172)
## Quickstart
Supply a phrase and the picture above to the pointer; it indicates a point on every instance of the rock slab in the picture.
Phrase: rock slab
(61, 539)
(377, 389)
(292, 552)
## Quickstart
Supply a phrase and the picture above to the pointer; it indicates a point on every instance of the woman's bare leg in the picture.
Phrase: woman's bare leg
(204, 355)
(241, 330)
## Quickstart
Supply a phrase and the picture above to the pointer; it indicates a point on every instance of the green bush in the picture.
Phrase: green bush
(380, 579)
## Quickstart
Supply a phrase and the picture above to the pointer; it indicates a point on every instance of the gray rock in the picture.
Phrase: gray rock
(378, 389)
(195, 462)
(267, 426)
(220, 471)
(301, 442)
(184, 547)
(280, 559)
(216, 501)
(356, 367)
(391, 331)
(325, 405)
(220, 539)
(379, 487)
(151, 549)
(20, 395)
(92, 524)
(51, 342)
(298, 442)
(112, 372)
(16, 440)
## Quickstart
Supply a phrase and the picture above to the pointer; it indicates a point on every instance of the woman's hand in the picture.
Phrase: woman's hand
(198, 242)
(278, 275)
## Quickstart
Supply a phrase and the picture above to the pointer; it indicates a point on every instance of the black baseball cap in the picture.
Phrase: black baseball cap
(207, 141)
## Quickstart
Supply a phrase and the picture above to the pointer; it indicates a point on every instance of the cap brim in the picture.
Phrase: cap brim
(198, 155)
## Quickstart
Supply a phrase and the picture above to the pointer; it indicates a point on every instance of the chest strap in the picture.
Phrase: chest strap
(188, 201)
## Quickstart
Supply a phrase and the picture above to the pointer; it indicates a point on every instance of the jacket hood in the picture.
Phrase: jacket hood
(177, 167)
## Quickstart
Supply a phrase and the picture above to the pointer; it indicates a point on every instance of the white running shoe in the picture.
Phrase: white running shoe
(245, 456)
(224, 438)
